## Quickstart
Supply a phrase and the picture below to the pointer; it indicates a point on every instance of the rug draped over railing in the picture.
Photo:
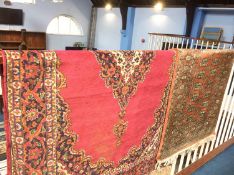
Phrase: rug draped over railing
(108, 112)
(197, 92)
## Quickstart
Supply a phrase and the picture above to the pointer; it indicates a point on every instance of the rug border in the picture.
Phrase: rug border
(174, 73)
(5, 114)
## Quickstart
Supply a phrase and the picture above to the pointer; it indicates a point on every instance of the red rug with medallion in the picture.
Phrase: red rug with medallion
(81, 112)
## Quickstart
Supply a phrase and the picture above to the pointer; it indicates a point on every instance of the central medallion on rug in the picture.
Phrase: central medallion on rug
(85, 112)
(123, 71)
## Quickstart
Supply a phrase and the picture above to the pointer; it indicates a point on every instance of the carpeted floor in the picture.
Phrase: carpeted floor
(223, 164)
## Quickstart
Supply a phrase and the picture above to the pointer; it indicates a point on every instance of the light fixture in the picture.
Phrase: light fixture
(9, 2)
(158, 6)
(108, 6)
(24, 1)
(57, 1)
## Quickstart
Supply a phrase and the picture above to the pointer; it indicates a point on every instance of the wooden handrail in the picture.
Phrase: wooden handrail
(165, 34)
(183, 36)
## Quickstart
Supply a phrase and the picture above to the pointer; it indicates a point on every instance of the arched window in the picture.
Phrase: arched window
(24, 1)
(64, 25)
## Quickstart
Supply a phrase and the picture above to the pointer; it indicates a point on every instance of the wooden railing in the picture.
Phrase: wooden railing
(225, 125)
(159, 41)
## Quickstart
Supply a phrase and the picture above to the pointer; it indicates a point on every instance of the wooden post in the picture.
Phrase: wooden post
(23, 45)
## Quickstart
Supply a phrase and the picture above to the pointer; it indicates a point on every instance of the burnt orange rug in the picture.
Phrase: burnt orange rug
(198, 85)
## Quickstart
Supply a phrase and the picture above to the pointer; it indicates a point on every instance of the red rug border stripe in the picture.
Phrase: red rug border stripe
(173, 68)
(6, 116)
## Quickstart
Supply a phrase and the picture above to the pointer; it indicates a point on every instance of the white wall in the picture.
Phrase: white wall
(224, 19)
(37, 17)
(170, 21)
(59, 42)
(108, 36)
(109, 24)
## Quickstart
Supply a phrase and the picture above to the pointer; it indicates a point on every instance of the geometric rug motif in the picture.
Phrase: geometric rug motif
(198, 87)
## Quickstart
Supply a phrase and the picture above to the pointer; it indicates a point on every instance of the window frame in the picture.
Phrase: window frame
(72, 20)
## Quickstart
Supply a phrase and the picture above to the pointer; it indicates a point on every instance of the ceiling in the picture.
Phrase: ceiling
(169, 3)
(189, 4)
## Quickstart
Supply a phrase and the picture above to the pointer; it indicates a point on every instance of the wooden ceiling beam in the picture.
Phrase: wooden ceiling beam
(124, 13)
(168, 3)
(190, 13)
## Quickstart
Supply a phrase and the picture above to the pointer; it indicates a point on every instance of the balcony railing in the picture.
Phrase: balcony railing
(159, 41)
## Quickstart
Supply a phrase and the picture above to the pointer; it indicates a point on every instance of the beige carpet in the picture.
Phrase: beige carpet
(163, 171)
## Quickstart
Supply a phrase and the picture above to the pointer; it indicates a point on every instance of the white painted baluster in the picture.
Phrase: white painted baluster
(191, 44)
(196, 44)
(158, 43)
(188, 158)
(223, 109)
(169, 43)
(228, 120)
(224, 45)
(154, 44)
(224, 129)
(195, 155)
(173, 166)
(232, 128)
(178, 42)
(182, 44)
(202, 44)
(212, 145)
(164, 44)
(232, 131)
(224, 122)
(207, 44)
(207, 147)
(181, 162)
(161, 44)
(149, 42)
(201, 151)
(218, 46)
(212, 47)
(173, 42)
(229, 126)
(187, 43)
